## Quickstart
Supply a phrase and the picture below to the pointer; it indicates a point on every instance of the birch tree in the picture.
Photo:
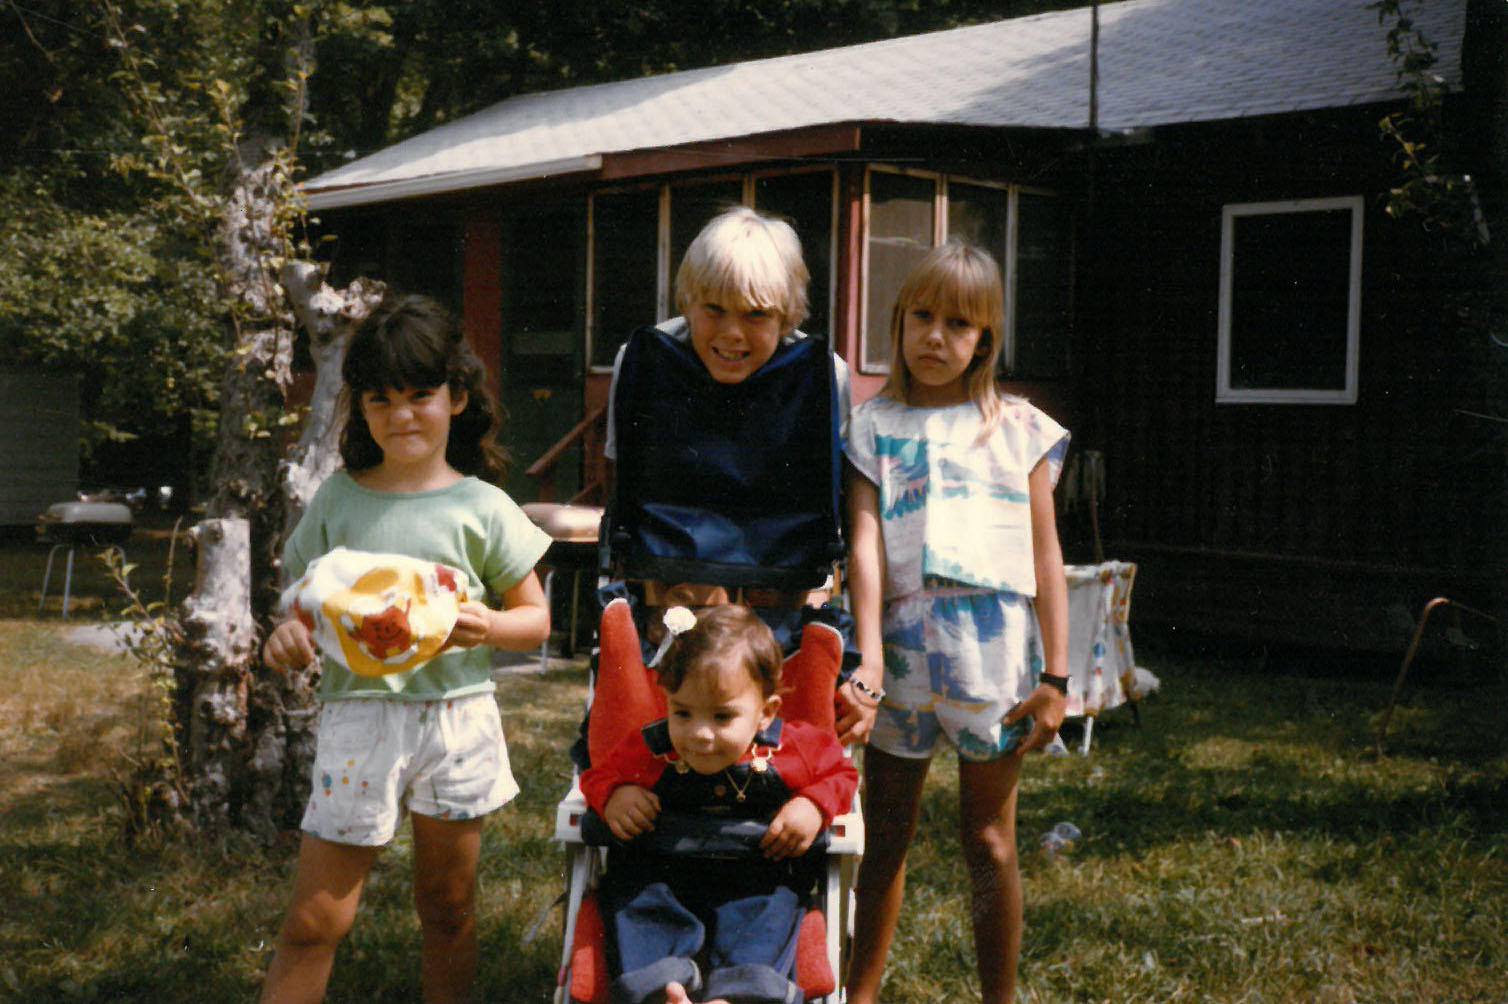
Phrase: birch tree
(221, 139)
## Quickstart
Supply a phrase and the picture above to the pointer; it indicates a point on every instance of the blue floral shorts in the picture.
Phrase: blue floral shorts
(956, 660)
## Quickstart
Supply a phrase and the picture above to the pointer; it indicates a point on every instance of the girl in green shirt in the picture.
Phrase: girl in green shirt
(426, 742)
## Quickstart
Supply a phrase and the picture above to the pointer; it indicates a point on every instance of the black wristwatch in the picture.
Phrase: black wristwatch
(1058, 683)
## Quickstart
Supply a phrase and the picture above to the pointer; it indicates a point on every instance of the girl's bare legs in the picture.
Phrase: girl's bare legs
(445, 864)
(892, 805)
(987, 824)
(326, 889)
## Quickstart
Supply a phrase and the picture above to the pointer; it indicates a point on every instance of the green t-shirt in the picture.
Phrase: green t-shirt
(470, 525)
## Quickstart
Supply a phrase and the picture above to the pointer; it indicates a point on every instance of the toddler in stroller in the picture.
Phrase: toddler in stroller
(721, 754)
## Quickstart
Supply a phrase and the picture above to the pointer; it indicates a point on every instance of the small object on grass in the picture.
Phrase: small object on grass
(1061, 839)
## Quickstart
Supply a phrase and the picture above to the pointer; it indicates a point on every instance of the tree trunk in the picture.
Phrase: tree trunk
(247, 732)
(233, 725)
(329, 316)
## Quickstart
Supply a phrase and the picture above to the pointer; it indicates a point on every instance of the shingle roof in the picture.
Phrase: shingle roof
(1160, 62)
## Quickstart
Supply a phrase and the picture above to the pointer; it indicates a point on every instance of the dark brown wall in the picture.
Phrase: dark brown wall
(1324, 523)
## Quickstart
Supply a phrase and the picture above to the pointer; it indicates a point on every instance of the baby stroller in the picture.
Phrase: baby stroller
(733, 487)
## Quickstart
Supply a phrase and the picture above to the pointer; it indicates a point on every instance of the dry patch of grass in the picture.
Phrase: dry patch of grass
(89, 918)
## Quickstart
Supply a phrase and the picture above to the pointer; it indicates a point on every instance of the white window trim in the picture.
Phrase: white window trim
(1224, 392)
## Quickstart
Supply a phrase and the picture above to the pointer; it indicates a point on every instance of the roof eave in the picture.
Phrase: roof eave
(368, 193)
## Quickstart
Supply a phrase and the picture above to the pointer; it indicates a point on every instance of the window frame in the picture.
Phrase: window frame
(1006, 256)
(1346, 395)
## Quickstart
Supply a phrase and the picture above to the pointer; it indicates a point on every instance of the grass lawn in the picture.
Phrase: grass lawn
(1242, 845)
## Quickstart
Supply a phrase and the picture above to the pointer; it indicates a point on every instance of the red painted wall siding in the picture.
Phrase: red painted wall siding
(482, 291)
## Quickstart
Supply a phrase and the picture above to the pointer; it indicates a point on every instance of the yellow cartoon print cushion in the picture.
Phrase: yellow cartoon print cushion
(377, 613)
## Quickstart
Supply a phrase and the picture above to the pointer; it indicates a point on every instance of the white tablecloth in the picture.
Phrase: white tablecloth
(1100, 660)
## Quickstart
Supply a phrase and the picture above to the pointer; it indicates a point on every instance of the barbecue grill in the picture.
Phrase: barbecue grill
(105, 525)
(573, 552)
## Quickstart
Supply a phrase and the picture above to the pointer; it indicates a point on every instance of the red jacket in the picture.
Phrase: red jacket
(802, 760)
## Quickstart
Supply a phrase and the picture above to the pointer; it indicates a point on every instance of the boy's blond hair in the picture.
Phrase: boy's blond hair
(744, 257)
(959, 279)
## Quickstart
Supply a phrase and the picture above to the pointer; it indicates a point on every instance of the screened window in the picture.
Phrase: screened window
(691, 206)
(1290, 302)
(978, 214)
(625, 268)
(1029, 233)
(540, 294)
(410, 254)
(902, 215)
(1043, 288)
(805, 200)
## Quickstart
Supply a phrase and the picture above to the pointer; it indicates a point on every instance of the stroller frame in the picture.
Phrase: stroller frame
(653, 534)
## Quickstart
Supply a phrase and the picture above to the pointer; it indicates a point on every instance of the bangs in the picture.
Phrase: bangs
(955, 279)
(738, 286)
(963, 289)
(376, 364)
(742, 260)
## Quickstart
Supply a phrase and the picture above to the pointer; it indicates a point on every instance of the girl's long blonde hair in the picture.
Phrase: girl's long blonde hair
(959, 279)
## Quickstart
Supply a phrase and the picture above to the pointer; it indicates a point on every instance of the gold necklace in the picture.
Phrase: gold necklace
(758, 765)
(739, 792)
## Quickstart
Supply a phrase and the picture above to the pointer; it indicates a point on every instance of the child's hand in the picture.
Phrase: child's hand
(472, 625)
(792, 830)
(630, 811)
(1046, 705)
(290, 646)
(856, 710)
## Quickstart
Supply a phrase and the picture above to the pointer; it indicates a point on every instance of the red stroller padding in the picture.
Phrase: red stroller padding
(623, 684)
(626, 688)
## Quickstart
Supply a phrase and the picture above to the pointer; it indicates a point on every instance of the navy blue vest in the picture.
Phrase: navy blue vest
(726, 484)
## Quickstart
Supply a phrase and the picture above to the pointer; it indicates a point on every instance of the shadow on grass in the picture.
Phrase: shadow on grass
(1243, 790)
(1232, 753)
(196, 920)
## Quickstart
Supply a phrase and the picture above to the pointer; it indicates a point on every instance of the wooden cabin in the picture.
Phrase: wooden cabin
(1186, 197)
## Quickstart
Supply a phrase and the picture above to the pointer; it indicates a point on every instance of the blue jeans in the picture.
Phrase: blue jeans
(655, 936)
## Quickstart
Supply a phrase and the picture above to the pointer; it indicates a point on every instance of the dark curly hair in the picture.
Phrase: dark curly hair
(724, 636)
(412, 341)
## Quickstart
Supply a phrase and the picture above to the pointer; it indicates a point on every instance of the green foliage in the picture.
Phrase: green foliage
(1435, 190)
(1431, 189)
(106, 217)
(114, 296)
(149, 780)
